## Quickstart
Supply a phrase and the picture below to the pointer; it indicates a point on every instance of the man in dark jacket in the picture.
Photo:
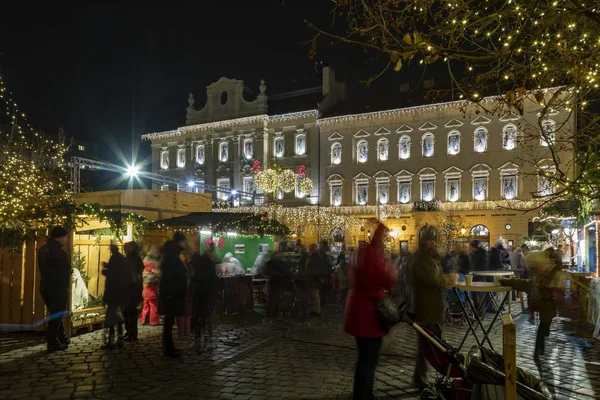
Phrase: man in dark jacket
(55, 278)
(204, 286)
(171, 297)
(134, 297)
(118, 284)
(427, 296)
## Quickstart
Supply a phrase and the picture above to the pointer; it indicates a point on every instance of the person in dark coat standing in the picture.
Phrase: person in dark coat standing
(370, 279)
(55, 278)
(134, 298)
(116, 295)
(204, 285)
(427, 295)
(172, 292)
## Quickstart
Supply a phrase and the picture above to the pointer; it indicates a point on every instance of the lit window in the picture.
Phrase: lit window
(383, 192)
(248, 149)
(200, 154)
(480, 138)
(362, 151)
(181, 158)
(404, 147)
(81, 147)
(280, 194)
(548, 135)
(509, 137)
(224, 151)
(248, 187)
(336, 195)
(427, 190)
(480, 185)
(164, 159)
(164, 188)
(428, 145)
(223, 186)
(382, 149)
(453, 143)
(404, 192)
(300, 144)
(278, 147)
(509, 187)
(199, 186)
(336, 153)
(362, 193)
(453, 189)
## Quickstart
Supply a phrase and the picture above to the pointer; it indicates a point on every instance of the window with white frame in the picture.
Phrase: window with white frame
(404, 191)
(200, 186)
(382, 181)
(509, 181)
(247, 187)
(453, 177)
(200, 154)
(427, 181)
(480, 138)
(181, 157)
(480, 177)
(509, 137)
(453, 143)
(362, 151)
(278, 148)
(164, 159)
(383, 146)
(248, 149)
(404, 147)
(361, 189)
(335, 190)
(428, 143)
(548, 135)
(300, 143)
(545, 187)
(223, 186)
(280, 194)
(336, 153)
(164, 188)
(224, 151)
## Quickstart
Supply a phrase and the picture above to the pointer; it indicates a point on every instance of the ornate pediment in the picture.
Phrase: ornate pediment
(427, 171)
(382, 131)
(361, 134)
(427, 126)
(453, 171)
(362, 177)
(481, 120)
(335, 178)
(481, 168)
(335, 136)
(404, 129)
(510, 116)
(382, 176)
(453, 123)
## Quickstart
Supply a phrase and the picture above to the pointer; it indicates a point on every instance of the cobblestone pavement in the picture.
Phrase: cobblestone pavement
(277, 360)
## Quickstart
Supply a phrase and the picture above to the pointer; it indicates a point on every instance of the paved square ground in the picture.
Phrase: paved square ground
(255, 358)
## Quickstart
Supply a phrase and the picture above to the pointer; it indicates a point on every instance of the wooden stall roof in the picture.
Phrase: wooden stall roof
(202, 220)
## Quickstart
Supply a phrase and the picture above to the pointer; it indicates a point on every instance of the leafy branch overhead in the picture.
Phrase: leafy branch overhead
(513, 50)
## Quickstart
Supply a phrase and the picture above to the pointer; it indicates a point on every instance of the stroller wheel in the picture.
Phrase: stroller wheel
(449, 320)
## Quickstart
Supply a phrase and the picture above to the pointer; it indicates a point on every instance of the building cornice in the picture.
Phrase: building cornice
(231, 123)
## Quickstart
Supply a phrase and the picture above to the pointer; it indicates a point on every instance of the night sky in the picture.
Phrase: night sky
(104, 71)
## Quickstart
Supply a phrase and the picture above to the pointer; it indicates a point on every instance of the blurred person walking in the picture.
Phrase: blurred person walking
(119, 281)
(204, 286)
(134, 298)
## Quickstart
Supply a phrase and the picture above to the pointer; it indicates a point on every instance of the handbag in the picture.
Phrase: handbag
(388, 312)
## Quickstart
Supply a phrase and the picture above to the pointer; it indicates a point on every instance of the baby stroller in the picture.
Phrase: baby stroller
(290, 301)
(475, 375)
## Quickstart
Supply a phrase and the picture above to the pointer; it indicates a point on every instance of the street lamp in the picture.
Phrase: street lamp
(132, 171)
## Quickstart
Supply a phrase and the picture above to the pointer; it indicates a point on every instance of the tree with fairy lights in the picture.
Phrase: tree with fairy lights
(516, 51)
(33, 174)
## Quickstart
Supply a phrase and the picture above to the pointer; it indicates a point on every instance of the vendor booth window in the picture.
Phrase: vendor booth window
(248, 149)
(164, 159)
(480, 138)
(278, 147)
(300, 144)
(336, 153)
(224, 185)
(404, 147)
(509, 137)
(181, 158)
(383, 146)
(453, 143)
(224, 151)
(200, 154)
(548, 134)
(362, 151)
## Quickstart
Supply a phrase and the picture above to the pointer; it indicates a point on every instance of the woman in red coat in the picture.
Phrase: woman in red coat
(370, 279)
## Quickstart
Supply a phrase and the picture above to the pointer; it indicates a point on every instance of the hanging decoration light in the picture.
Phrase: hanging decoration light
(305, 187)
(268, 180)
(287, 180)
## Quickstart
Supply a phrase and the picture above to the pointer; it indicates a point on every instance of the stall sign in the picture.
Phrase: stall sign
(240, 248)
(263, 248)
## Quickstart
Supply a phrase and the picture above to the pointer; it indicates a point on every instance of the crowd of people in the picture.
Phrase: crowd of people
(180, 285)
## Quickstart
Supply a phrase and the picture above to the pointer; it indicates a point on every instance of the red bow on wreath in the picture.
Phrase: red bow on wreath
(256, 167)
(301, 171)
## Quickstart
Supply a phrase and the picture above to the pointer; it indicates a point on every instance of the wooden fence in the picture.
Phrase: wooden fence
(235, 295)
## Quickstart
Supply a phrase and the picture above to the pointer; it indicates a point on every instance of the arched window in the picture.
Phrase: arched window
(248, 149)
(362, 151)
(164, 159)
(200, 154)
(548, 134)
(335, 189)
(278, 147)
(383, 146)
(300, 143)
(480, 139)
(181, 157)
(336, 153)
(404, 147)
(509, 181)
(224, 151)
(509, 137)
(428, 143)
(454, 142)
(482, 234)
